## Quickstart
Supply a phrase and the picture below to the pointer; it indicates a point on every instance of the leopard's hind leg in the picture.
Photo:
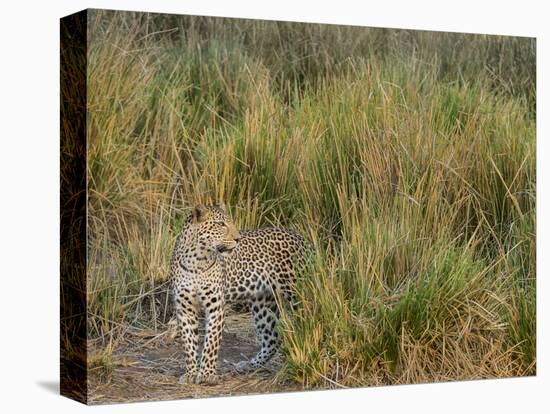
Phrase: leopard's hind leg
(265, 314)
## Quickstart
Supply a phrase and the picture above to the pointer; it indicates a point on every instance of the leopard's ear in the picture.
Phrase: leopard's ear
(199, 213)
(222, 207)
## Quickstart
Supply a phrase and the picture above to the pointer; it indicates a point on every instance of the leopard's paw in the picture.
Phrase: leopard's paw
(188, 378)
(208, 378)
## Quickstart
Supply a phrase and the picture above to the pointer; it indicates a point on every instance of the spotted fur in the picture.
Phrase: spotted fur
(214, 264)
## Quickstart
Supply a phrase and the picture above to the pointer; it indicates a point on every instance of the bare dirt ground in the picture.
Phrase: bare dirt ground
(147, 367)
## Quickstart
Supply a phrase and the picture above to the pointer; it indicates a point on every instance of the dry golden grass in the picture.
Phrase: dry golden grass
(408, 158)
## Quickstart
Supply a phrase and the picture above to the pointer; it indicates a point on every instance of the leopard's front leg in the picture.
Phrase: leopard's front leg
(188, 324)
(213, 303)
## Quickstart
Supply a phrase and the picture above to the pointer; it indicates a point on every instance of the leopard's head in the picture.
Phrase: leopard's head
(215, 229)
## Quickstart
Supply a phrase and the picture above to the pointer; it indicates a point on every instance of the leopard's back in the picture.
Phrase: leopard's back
(265, 260)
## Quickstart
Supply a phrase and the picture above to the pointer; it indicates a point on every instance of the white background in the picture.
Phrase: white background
(29, 206)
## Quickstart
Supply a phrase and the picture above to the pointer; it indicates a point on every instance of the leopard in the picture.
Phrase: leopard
(214, 265)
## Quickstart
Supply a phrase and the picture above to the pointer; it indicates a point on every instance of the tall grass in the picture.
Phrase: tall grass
(408, 158)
